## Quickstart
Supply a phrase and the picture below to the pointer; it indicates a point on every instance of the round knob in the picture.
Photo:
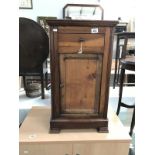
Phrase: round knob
(81, 40)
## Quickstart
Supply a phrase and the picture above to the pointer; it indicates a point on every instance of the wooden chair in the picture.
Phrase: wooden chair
(122, 50)
(126, 64)
(33, 50)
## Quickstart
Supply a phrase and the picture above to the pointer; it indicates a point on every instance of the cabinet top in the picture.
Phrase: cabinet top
(67, 22)
(35, 128)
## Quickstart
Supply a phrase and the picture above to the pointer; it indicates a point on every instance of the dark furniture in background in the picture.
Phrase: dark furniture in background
(81, 55)
(42, 21)
(33, 50)
(121, 27)
(122, 51)
(126, 64)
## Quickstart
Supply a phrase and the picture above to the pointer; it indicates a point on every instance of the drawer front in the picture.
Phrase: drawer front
(80, 43)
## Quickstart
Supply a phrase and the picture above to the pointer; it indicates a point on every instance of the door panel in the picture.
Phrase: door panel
(107, 148)
(80, 82)
(45, 149)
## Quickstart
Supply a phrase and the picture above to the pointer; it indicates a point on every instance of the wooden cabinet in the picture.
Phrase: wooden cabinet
(100, 149)
(35, 139)
(80, 54)
(74, 149)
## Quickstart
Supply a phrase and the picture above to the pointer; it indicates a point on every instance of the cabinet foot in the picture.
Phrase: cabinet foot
(103, 129)
(55, 130)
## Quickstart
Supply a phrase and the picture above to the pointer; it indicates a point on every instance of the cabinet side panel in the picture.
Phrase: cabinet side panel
(54, 65)
(106, 73)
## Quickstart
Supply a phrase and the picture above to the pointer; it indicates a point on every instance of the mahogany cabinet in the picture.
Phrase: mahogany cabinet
(80, 56)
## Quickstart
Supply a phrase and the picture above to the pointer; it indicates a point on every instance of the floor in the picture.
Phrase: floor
(125, 115)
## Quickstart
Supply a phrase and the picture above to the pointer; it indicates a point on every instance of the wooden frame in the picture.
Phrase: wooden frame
(25, 4)
(81, 7)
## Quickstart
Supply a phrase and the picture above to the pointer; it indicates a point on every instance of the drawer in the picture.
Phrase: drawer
(80, 43)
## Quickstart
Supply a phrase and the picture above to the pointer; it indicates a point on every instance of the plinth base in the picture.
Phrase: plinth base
(57, 124)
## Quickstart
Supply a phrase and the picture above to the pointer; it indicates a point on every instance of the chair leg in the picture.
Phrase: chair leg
(42, 86)
(116, 62)
(132, 123)
(24, 82)
(115, 74)
(46, 80)
(118, 72)
(120, 90)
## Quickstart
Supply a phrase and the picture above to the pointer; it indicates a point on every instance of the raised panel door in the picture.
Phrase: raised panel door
(80, 76)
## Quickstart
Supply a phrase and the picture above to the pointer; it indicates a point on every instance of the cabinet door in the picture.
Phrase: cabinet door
(107, 148)
(45, 149)
(80, 76)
